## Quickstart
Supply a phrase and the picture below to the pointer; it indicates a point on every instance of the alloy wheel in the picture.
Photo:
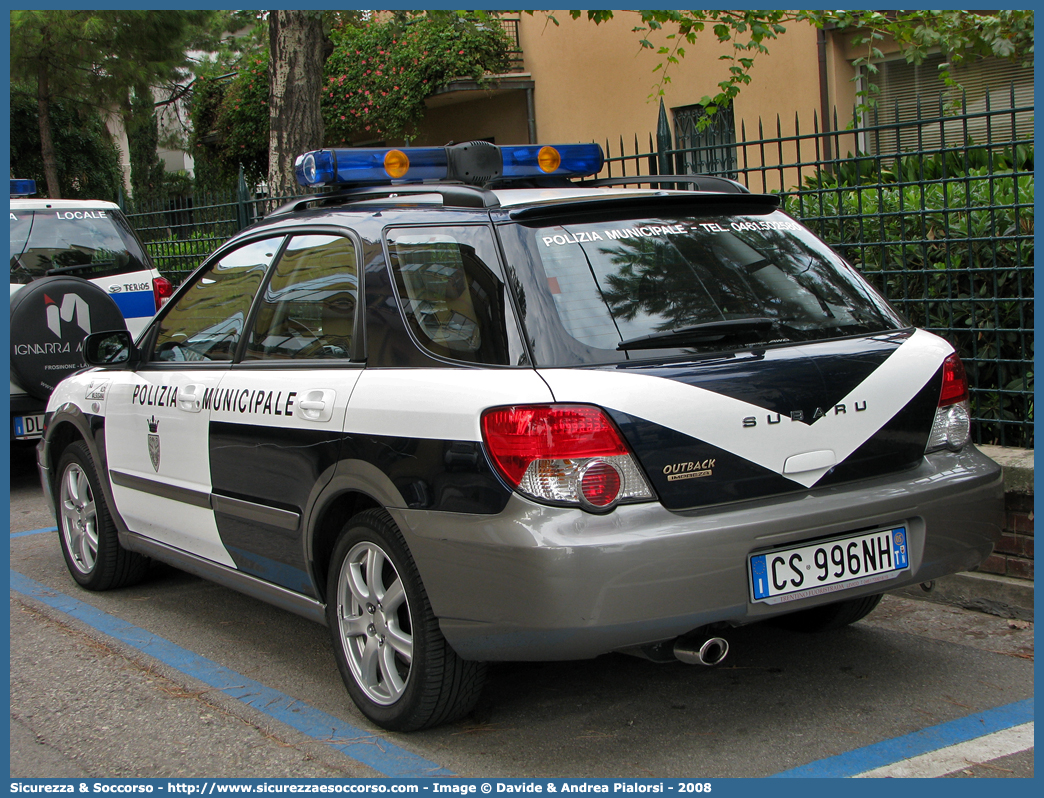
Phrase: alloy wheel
(79, 519)
(375, 624)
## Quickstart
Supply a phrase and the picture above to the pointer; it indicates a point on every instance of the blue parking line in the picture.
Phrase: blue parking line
(920, 742)
(34, 532)
(383, 756)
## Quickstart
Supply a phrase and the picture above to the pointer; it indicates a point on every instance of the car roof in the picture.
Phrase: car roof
(428, 197)
(62, 204)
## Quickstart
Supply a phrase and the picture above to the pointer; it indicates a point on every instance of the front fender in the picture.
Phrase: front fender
(67, 423)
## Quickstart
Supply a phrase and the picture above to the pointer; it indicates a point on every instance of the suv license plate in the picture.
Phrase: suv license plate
(28, 427)
(818, 568)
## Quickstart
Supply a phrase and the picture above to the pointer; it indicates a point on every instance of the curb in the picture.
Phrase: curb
(995, 595)
(1017, 465)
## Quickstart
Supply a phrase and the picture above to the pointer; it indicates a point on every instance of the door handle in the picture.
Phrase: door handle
(316, 405)
(190, 397)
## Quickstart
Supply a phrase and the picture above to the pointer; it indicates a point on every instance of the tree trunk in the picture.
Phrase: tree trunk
(295, 74)
(50, 160)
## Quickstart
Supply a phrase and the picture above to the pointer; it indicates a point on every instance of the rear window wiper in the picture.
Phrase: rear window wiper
(697, 333)
(79, 267)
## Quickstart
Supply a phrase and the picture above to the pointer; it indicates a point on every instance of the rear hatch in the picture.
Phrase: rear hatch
(739, 356)
(91, 240)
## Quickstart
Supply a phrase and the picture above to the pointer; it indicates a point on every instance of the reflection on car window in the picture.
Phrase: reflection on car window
(207, 320)
(308, 308)
(452, 299)
(83, 243)
(604, 283)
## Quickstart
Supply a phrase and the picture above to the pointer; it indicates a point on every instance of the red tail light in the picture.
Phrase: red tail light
(955, 382)
(952, 426)
(563, 454)
(516, 436)
(162, 289)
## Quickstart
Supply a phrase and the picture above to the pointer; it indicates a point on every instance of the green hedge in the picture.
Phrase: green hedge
(953, 251)
(176, 258)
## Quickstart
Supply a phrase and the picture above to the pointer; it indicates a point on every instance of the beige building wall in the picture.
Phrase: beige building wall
(498, 117)
(593, 82)
(596, 83)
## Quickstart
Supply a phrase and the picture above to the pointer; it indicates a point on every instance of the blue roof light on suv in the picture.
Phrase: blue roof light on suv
(22, 188)
(471, 162)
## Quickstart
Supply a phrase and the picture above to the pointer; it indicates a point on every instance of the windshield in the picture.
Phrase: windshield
(87, 243)
(610, 291)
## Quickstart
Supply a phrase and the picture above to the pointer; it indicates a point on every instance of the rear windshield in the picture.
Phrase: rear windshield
(83, 243)
(605, 291)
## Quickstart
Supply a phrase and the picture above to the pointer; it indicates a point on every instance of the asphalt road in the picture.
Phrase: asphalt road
(177, 677)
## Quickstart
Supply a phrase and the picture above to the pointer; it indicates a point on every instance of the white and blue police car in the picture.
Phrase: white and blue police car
(461, 408)
(77, 266)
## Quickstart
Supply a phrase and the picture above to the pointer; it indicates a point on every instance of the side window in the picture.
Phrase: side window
(308, 308)
(451, 292)
(206, 322)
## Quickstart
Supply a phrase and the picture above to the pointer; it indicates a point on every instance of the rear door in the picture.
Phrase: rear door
(90, 240)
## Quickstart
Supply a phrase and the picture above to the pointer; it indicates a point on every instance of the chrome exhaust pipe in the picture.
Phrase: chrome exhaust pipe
(710, 652)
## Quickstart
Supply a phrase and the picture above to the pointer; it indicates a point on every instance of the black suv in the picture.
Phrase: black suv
(462, 408)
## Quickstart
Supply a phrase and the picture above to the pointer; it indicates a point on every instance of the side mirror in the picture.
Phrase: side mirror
(110, 348)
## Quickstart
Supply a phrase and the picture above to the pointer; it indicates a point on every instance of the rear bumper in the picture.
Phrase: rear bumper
(541, 583)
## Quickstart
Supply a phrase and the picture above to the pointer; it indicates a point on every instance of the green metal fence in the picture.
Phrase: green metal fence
(936, 212)
(181, 232)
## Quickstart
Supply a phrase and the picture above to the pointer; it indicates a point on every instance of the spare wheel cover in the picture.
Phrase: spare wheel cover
(50, 318)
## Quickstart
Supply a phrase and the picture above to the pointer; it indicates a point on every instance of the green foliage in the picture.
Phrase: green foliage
(959, 34)
(204, 103)
(95, 57)
(376, 81)
(242, 121)
(177, 184)
(863, 169)
(176, 258)
(380, 74)
(142, 138)
(88, 159)
(950, 243)
(230, 123)
(92, 60)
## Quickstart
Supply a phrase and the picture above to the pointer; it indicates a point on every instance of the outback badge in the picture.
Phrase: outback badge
(690, 470)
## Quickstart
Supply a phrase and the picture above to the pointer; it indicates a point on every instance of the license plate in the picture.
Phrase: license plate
(829, 566)
(28, 427)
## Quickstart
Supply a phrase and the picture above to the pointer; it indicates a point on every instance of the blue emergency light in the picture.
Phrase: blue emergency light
(22, 188)
(472, 162)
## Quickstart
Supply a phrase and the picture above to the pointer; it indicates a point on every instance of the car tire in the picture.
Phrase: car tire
(397, 666)
(830, 616)
(90, 543)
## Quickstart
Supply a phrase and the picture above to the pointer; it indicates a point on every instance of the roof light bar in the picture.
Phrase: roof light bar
(566, 160)
(369, 165)
(377, 165)
(22, 188)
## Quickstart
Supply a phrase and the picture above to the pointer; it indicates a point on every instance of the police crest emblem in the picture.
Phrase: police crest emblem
(154, 443)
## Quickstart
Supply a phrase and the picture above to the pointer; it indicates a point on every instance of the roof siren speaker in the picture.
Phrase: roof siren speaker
(474, 162)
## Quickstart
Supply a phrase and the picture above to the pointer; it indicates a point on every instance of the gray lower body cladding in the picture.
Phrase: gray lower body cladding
(543, 583)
